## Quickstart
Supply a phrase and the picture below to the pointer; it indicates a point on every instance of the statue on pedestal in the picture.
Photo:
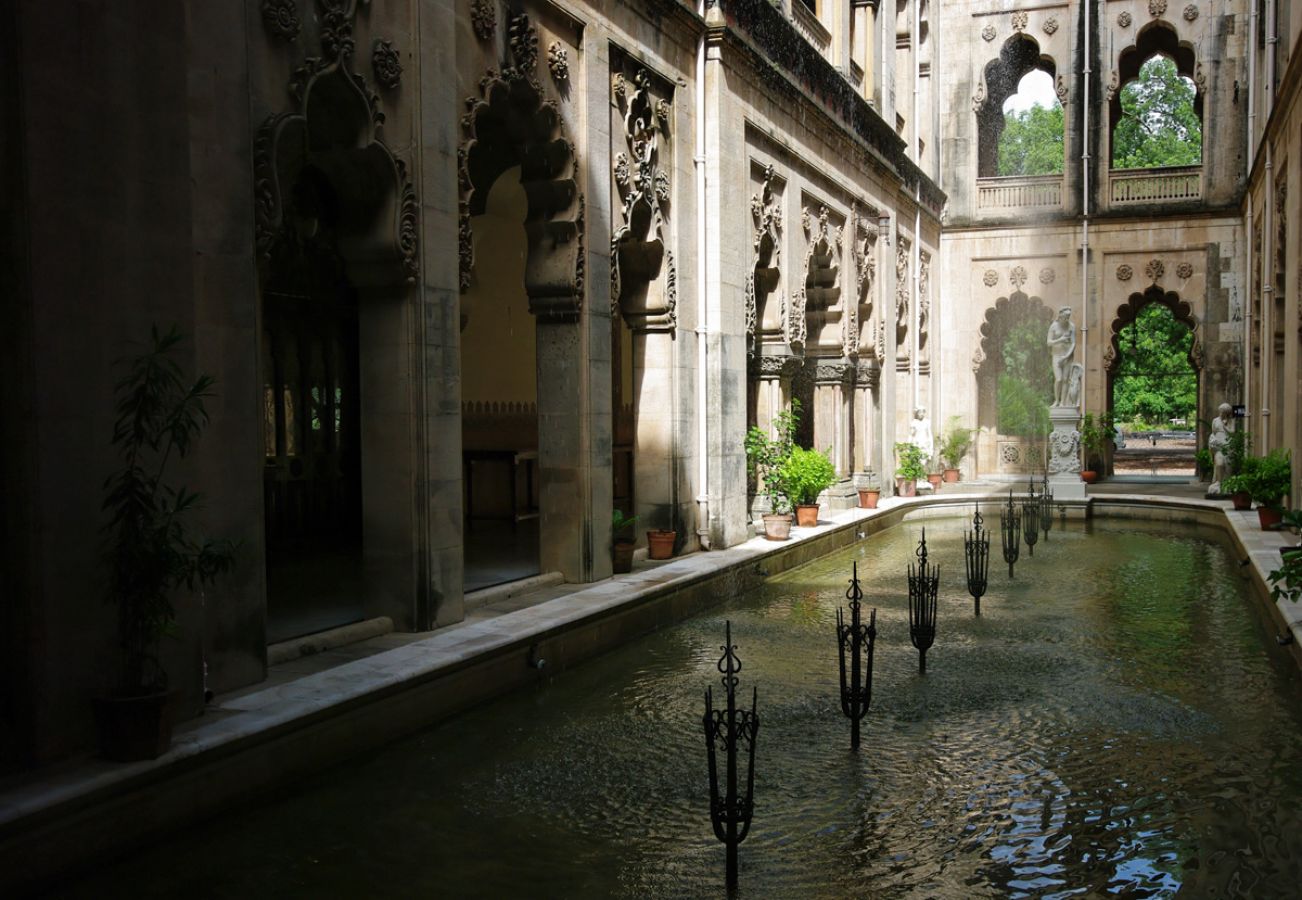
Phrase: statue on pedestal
(1219, 444)
(1062, 345)
(920, 433)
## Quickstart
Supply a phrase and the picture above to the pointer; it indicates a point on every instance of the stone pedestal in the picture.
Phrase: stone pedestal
(1064, 454)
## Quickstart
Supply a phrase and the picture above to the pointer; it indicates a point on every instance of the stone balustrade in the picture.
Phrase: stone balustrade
(1019, 192)
(1163, 185)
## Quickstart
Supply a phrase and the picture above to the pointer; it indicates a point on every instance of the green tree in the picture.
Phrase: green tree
(1031, 142)
(1154, 381)
(1159, 125)
(1025, 385)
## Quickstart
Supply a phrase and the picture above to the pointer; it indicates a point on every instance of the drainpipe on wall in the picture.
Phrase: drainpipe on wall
(915, 257)
(702, 351)
(1267, 289)
(1086, 71)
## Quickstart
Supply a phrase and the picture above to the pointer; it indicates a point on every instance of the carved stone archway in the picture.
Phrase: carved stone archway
(1018, 56)
(1183, 312)
(999, 452)
(511, 124)
(336, 228)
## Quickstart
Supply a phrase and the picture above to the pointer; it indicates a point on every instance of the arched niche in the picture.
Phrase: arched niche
(1013, 334)
(1019, 55)
(1157, 38)
(511, 124)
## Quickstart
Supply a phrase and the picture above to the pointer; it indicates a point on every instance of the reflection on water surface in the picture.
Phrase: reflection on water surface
(1117, 721)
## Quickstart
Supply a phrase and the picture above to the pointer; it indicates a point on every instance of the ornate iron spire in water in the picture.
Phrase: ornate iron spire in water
(1010, 529)
(1046, 506)
(728, 731)
(976, 549)
(1031, 520)
(855, 642)
(924, 583)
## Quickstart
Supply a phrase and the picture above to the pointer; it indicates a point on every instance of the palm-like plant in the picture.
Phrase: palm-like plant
(149, 551)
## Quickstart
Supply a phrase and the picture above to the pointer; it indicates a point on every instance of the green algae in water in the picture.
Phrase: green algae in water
(1118, 720)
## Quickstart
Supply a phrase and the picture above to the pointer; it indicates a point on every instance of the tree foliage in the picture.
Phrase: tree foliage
(1154, 381)
(1025, 386)
(1032, 142)
(1159, 125)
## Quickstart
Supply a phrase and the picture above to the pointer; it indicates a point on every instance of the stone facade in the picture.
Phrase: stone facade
(597, 241)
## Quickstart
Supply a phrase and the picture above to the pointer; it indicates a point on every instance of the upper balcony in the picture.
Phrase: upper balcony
(1170, 184)
(1016, 194)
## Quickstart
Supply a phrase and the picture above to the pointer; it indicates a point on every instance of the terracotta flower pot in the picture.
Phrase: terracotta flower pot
(951, 476)
(1269, 516)
(1089, 476)
(868, 498)
(660, 544)
(935, 478)
(134, 728)
(806, 514)
(621, 557)
(1241, 500)
(905, 487)
(777, 527)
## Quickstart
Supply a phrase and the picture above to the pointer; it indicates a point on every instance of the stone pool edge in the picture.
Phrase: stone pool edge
(89, 811)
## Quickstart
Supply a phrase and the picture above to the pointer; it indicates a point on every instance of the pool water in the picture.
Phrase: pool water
(1118, 720)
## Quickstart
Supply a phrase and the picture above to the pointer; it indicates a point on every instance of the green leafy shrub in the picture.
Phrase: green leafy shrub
(806, 474)
(1267, 478)
(911, 461)
(955, 443)
(1095, 434)
(766, 456)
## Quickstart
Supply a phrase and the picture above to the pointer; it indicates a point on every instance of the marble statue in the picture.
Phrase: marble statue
(1073, 385)
(1219, 444)
(920, 433)
(1064, 452)
(1062, 345)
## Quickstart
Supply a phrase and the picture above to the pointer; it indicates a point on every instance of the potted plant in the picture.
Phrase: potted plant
(660, 543)
(1291, 521)
(1268, 479)
(806, 474)
(1095, 433)
(621, 542)
(871, 491)
(954, 445)
(1204, 464)
(765, 458)
(1286, 581)
(149, 551)
(910, 468)
(1236, 486)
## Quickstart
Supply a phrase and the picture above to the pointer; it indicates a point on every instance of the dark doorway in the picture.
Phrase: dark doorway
(311, 413)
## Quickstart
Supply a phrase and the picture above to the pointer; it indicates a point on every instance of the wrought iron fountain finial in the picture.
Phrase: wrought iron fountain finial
(727, 731)
(1010, 531)
(924, 584)
(855, 650)
(976, 552)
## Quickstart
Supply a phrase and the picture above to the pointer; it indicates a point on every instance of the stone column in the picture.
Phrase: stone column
(866, 440)
(832, 419)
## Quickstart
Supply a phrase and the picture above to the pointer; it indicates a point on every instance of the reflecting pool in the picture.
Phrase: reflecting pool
(1118, 720)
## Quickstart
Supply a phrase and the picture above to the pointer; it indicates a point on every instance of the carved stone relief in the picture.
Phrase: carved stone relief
(1019, 20)
(765, 306)
(1050, 25)
(558, 61)
(990, 278)
(281, 18)
(861, 330)
(1190, 12)
(643, 278)
(389, 251)
(1184, 271)
(1155, 270)
(902, 247)
(1047, 275)
(386, 65)
(526, 129)
(1124, 20)
(1124, 272)
(1156, 8)
(813, 305)
(924, 303)
(1061, 90)
(988, 33)
(1017, 277)
(1114, 85)
(483, 15)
